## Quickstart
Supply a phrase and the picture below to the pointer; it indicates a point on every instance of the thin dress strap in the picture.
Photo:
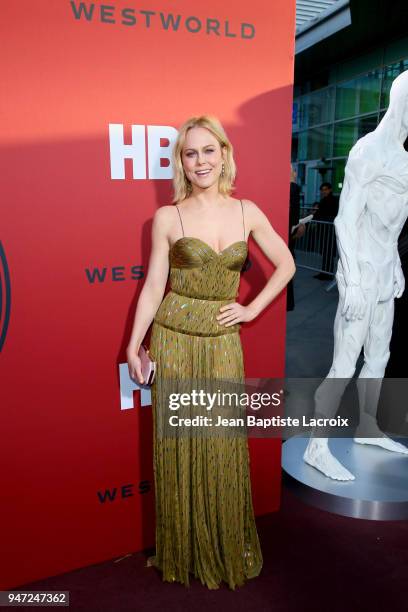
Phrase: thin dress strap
(180, 220)
(243, 220)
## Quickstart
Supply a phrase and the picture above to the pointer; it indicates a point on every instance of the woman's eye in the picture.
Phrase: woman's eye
(190, 154)
(209, 150)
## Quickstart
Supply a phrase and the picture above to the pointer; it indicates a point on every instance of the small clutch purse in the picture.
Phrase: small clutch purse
(148, 366)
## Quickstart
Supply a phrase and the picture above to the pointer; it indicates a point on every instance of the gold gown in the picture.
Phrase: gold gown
(204, 514)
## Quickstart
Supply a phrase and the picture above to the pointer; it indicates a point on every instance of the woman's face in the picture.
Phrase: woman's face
(202, 157)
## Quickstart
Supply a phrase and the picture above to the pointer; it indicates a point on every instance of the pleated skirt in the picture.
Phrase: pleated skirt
(205, 524)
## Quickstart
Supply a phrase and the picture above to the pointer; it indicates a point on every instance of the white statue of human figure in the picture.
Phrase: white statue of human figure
(372, 211)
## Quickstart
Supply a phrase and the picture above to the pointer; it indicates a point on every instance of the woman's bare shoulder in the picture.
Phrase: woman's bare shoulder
(253, 213)
(165, 214)
(250, 208)
(164, 218)
(167, 210)
(249, 205)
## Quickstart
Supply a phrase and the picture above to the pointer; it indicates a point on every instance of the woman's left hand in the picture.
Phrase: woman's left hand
(235, 313)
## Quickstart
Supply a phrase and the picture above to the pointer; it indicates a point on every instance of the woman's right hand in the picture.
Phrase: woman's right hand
(135, 369)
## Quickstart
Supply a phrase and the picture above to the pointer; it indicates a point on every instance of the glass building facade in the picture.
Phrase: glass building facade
(331, 112)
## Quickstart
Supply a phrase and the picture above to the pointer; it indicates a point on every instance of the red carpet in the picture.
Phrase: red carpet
(313, 560)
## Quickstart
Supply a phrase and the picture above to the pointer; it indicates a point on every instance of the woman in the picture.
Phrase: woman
(204, 515)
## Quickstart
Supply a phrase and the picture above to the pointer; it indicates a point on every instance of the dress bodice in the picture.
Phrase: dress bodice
(201, 281)
(198, 271)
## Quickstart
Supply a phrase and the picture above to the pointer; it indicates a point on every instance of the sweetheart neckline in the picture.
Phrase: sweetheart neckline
(209, 246)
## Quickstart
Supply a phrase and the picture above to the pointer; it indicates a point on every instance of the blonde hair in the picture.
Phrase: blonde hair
(181, 184)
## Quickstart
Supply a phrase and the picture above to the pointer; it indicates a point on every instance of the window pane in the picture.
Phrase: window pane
(317, 108)
(312, 186)
(358, 96)
(338, 174)
(302, 146)
(295, 115)
(303, 118)
(315, 143)
(389, 74)
(347, 133)
(319, 142)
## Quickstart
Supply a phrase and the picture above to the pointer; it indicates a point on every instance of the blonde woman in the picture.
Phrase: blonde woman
(205, 522)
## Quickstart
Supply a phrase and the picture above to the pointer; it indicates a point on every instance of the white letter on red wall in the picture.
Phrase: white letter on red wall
(119, 151)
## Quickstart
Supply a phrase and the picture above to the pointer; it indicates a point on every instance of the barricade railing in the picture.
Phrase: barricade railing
(307, 210)
(317, 249)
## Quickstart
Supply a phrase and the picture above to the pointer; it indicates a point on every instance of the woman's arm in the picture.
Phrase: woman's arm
(277, 252)
(155, 284)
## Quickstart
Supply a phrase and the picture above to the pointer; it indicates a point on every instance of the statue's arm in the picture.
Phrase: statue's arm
(399, 279)
(353, 201)
(360, 171)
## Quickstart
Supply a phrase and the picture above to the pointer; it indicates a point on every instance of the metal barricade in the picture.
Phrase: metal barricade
(304, 211)
(317, 249)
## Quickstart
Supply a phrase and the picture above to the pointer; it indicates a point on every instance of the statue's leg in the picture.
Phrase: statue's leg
(376, 356)
(349, 337)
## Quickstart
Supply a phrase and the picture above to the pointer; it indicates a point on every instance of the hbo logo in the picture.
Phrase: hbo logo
(151, 155)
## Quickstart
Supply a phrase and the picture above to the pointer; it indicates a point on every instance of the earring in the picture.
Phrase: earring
(222, 170)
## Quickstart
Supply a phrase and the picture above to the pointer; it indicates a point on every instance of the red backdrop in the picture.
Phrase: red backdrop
(76, 471)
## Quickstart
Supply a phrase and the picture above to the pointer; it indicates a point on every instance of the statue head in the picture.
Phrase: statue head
(399, 87)
(396, 117)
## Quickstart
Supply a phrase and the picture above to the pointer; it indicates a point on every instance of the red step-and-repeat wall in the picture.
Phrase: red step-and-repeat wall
(93, 94)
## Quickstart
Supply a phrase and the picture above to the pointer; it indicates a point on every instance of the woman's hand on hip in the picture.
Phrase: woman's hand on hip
(233, 313)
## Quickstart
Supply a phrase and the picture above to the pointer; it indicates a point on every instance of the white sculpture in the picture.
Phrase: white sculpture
(372, 211)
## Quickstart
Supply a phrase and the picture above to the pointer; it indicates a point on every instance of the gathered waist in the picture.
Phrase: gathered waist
(211, 298)
(191, 315)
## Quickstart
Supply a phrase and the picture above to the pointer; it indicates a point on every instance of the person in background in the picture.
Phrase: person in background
(294, 214)
(328, 207)
(327, 210)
